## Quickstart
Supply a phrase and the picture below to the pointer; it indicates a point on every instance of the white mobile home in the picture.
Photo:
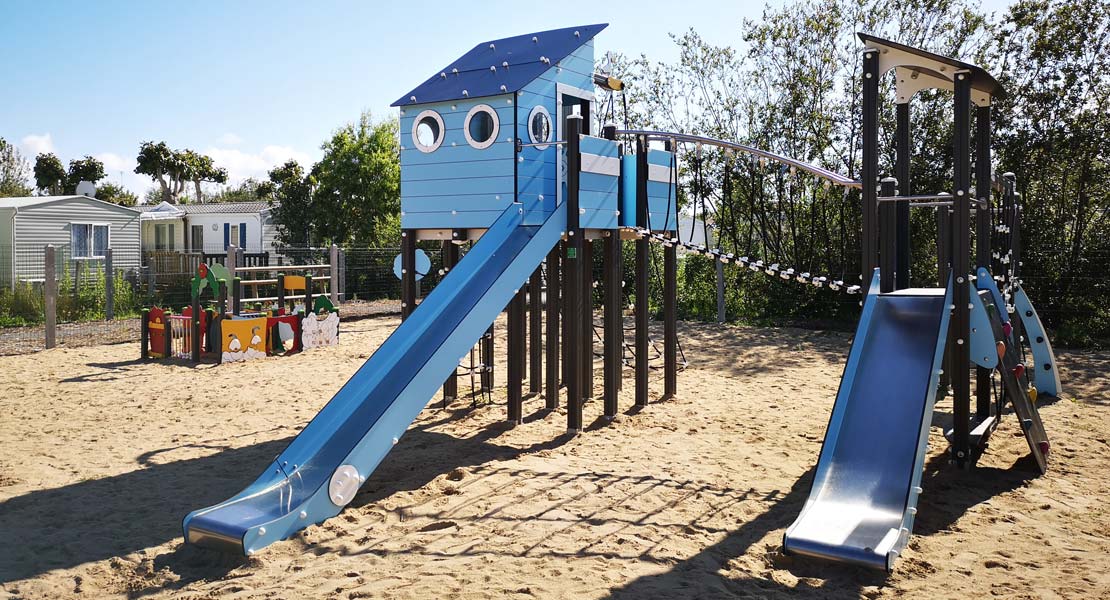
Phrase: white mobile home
(82, 228)
(209, 228)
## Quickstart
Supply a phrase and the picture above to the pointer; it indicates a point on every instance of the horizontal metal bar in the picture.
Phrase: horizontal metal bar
(921, 198)
(258, 281)
(278, 268)
(823, 173)
(932, 200)
(533, 145)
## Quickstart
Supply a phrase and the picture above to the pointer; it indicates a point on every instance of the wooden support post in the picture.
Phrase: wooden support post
(551, 383)
(722, 315)
(236, 295)
(614, 323)
(535, 331)
(642, 257)
(50, 292)
(587, 318)
(959, 333)
(485, 355)
(983, 376)
(333, 274)
(870, 170)
(308, 296)
(109, 287)
(887, 237)
(408, 272)
(670, 318)
(565, 349)
(575, 301)
(451, 384)
(516, 357)
(281, 291)
(194, 329)
(902, 211)
(144, 334)
(167, 335)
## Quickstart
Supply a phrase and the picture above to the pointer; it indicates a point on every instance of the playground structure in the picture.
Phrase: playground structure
(496, 151)
(242, 328)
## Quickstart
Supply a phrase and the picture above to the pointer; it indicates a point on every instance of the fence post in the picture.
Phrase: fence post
(333, 272)
(50, 290)
(342, 275)
(109, 287)
(229, 262)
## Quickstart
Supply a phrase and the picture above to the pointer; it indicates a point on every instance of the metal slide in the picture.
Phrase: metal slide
(864, 495)
(324, 466)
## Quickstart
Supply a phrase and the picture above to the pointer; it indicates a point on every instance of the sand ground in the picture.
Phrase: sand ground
(102, 455)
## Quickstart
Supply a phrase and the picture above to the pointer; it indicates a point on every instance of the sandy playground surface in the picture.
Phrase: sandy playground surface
(101, 456)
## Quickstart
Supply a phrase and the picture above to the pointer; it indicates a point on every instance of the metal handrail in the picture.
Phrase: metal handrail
(823, 173)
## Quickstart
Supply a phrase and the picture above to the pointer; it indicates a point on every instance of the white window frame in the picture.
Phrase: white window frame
(92, 225)
(562, 89)
(439, 139)
(540, 109)
(481, 108)
(233, 235)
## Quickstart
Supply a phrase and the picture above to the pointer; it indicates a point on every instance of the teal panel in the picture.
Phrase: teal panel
(446, 220)
(578, 64)
(458, 186)
(456, 107)
(982, 349)
(603, 200)
(455, 170)
(659, 157)
(455, 202)
(538, 185)
(598, 219)
(599, 146)
(460, 152)
(531, 169)
(596, 182)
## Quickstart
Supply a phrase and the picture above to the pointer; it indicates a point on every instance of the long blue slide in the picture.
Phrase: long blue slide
(865, 489)
(323, 467)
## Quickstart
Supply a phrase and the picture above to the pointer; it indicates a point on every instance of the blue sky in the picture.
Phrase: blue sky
(255, 83)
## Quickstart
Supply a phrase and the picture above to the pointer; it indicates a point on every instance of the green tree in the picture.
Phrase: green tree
(50, 174)
(200, 168)
(1054, 134)
(14, 171)
(290, 193)
(86, 169)
(358, 189)
(165, 166)
(116, 194)
(246, 191)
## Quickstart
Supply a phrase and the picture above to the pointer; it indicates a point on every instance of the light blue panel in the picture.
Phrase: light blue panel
(982, 348)
(540, 88)
(596, 182)
(455, 203)
(455, 122)
(446, 220)
(599, 146)
(628, 178)
(660, 157)
(537, 185)
(460, 152)
(590, 199)
(659, 221)
(984, 281)
(575, 80)
(458, 186)
(660, 189)
(1045, 374)
(578, 64)
(455, 107)
(458, 170)
(598, 219)
(535, 169)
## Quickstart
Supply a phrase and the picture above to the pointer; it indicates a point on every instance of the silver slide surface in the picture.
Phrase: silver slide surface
(864, 496)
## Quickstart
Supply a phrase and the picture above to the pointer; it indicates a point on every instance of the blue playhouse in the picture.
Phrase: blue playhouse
(502, 152)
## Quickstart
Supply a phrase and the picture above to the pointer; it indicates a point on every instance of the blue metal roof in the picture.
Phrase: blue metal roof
(501, 66)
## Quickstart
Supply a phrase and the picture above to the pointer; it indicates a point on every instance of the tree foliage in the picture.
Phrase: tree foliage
(14, 171)
(52, 178)
(290, 193)
(358, 184)
(50, 174)
(116, 194)
(791, 84)
(174, 169)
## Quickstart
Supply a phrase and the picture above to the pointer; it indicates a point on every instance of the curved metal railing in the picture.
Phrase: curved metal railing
(830, 176)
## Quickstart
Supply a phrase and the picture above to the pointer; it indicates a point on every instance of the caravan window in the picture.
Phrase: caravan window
(88, 240)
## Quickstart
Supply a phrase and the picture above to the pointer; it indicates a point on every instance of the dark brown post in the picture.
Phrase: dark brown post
(961, 233)
(551, 383)
(144, 334)
(642, 257)
(535, 331)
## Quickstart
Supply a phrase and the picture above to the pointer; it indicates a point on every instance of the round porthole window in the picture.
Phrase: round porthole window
(539, 127)
(481, 126)
(427, 131)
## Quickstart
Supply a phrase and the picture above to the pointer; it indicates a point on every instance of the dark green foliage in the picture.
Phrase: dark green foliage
(14, 171)
(116, 194)
(794, 89)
